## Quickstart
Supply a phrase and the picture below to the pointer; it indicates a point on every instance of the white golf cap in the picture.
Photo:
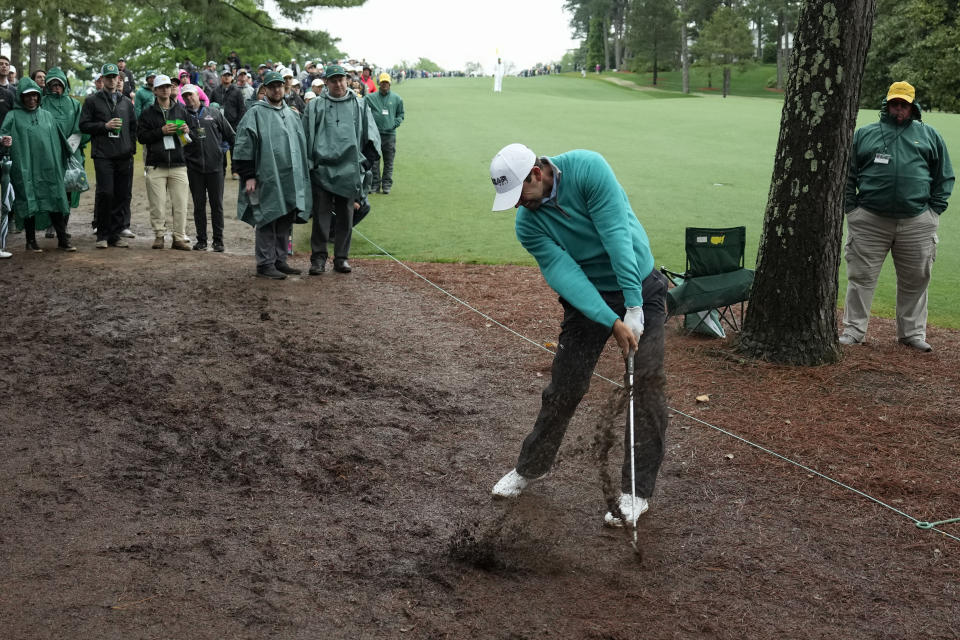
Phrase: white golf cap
(508, 170)
(317, 83)
(161, 81)
(189, 88)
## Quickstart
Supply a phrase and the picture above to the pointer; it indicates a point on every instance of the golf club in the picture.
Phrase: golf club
(633, 471)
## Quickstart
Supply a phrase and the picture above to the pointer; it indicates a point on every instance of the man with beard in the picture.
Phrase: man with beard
(898, 181)
(271, 158)
(342, 142)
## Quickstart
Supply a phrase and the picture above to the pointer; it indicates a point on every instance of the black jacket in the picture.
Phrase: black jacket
(204, 154)
(150, 135)
(6, 101)
(231, 102)
(97, 110)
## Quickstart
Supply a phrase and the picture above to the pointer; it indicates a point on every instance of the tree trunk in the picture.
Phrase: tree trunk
(726, 81)
(34, 53)
(16, 41)
(781, 45)
(684, 53)
(791, 318)
(606, 43)
(52, 45)
(654, 67)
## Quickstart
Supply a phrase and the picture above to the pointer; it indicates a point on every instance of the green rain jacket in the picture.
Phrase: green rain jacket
(272, 139)
(339, 132)
(143, 99)
(39, 154)
(387, 111)
(913, 173)
(66, 111)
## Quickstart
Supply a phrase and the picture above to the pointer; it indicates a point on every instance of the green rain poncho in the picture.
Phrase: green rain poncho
(39, 153)
(338, 130)
(272, 138)
(66, 111)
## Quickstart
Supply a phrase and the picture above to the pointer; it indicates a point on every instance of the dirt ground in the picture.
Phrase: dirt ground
(191, 452)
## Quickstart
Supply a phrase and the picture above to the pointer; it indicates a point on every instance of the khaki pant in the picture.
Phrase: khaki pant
(913, 244)
(172, 180)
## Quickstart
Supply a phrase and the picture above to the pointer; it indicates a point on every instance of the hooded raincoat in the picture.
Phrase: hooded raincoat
(66, 111)
(272, 139)
(39, 154)
(340, 131)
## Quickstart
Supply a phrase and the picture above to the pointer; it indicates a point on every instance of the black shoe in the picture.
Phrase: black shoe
(269, 271)
(341, 265)
(283, 267)
(218, 246)
(66, 247)
(386, 190)
(32, 246)
(200, 246)
(317, 267)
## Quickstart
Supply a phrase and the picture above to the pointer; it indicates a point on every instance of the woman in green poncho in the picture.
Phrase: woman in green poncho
(66, 111)
(39, 152)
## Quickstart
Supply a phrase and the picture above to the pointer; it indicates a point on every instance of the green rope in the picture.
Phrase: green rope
(928, 526)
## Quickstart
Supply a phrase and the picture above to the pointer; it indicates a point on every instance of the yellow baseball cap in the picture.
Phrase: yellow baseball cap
(384, 77)
(901, 90)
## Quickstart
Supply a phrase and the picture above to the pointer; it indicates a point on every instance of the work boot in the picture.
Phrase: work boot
(283, 267)
(318, 266)
(512, 485)
(916, 342)
(341, 265)
(158, 242)
(631, 511)
(180, 245)
(271, 272)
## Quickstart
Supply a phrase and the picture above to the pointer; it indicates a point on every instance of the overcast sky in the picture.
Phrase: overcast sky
(450, 32)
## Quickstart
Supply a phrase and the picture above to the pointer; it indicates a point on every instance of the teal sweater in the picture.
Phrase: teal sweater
(588, 240)
(916, 175)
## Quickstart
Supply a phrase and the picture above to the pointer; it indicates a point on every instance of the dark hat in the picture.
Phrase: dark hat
(334, 70)
(109, 69)
(272, 76)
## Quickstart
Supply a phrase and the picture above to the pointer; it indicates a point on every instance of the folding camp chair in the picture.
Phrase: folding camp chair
(714, 279)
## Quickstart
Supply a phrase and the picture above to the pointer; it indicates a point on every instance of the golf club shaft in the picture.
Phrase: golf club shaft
(633, 471)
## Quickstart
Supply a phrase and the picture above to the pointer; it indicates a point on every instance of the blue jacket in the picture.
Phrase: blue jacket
(588, 240)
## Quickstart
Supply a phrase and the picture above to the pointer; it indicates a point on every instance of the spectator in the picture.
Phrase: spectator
(7, 93)
(110, 121)
(387, 109)
(66, 112)
(184, 80)
(164, 167)
(498, 72)
(231, 102)
(12, 77)
(38, 151)
(211, 132)
(291, 95)
(898, 181)
(191, 70)
(308, 96)
(209, 78)
(343, 142)
(271, 158)
(369, 85)
(243, 83)
(234, 61)
(144, 96)
(39, 76)
(129, 88)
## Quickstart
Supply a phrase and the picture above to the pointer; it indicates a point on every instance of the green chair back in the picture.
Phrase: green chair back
(713, 251)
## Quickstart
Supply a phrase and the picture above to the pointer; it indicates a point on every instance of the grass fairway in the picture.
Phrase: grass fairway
(683, 160)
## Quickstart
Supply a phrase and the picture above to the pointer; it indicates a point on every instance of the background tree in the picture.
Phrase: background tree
(653, 34)
(594, 43)
(791, 317)
(724, 41)
(426, 64)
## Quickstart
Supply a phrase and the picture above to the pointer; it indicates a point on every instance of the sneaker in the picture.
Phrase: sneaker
(66, 247)
(512, 485)
(218, 246)
(5, 254)
(200, 246)
(340, 265)
(158, 242)
(916, 343)
(32, 246)
(126, 233)
(120, 244)
(49, 233)
(630, 512)
(180, 245)
(283, 267)
(848, 340)
(385, 190)
(101, 244)
(317, 267)
(269, 271)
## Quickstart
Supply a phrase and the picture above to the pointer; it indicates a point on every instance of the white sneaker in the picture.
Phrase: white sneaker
(5, 254)
(512, 485)
(126, 233)
(630, 512)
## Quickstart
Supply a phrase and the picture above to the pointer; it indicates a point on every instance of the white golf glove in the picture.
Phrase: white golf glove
(634, 319)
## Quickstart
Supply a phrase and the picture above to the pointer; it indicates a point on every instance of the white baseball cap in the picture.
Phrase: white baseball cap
(161, 81)
(508, 169)
(190, 88)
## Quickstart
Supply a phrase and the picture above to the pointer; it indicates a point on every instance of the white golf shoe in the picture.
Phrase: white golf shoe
(512, 485)
(630, 511)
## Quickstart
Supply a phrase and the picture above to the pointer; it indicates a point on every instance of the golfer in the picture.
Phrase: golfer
(574, 218)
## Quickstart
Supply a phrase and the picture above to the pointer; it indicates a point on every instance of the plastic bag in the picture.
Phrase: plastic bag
(75, 178)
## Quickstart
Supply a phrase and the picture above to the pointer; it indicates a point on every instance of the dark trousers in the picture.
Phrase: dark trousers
(271, 241)
(114, 185)
(388, 146)
(330, 210)
(202, 187)
(57, 220)
(579, 347)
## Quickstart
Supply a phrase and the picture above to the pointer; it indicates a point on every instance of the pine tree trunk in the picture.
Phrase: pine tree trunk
(34, 53)
(781, 45)
(791, 318)
(684, 54)
(606, 44)
(726, 81)
(16, 41)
